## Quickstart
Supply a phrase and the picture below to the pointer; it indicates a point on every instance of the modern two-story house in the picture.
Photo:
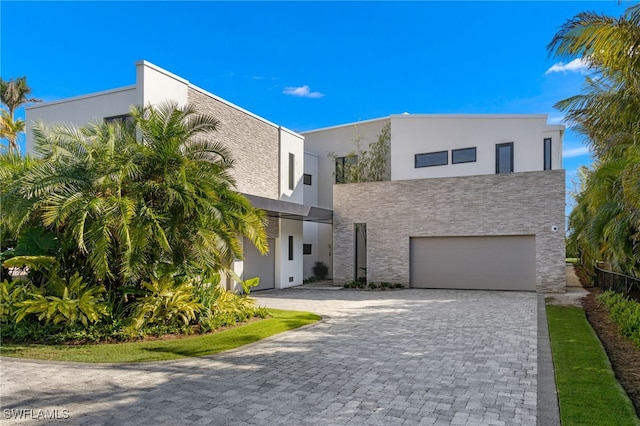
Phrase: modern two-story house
(470, 201)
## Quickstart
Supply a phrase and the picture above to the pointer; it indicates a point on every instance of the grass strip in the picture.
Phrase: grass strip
(588, 391)
(162, 350)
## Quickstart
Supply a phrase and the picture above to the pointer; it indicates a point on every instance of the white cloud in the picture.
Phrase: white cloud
(580, 65)
(556, 119)
(302, 92)
(575, 152)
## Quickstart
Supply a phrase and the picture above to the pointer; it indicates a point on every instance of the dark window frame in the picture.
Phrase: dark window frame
(292, 165)
(120, 118)
(290, 247)
(501, 145)
(307, 179)
(416, 156)
(341, 163)
(472, 148)
(547, 153)
(307, 249)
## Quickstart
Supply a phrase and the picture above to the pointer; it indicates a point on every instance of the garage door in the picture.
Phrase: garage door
(487, 263)
(257, 265)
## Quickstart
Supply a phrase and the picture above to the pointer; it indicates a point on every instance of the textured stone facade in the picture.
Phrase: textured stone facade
(530, 203)
(253, 143)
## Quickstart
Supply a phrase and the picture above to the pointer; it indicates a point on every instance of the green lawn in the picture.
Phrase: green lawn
(588, 391)
(161, 350)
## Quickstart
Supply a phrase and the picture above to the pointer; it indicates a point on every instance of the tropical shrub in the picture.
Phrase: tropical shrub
(169, 301)
(12, 293)
(320, 270)
(357, 284)
(63, 301)
(624, 312)
(222, 307)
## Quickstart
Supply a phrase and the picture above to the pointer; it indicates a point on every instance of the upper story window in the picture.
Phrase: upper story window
(122, 118)
(342, 167)
(547, 153)
(292, 165)
(504, 157)
(307, 179)
(430, 159)
(464, 155)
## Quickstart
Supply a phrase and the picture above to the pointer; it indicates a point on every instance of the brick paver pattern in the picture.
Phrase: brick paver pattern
(408, 357)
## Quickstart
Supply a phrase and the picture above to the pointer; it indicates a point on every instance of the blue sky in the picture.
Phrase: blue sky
(306, 65)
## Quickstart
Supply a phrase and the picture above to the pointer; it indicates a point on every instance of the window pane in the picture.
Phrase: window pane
(504, 158)
(306, 249)
(547, 154)
(466, 155)
(342, 167)
(290, 247)
(292, 162)
(307, 179)
(432, 159)
(125, 119)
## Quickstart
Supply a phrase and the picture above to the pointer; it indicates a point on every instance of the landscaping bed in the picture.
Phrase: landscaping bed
(623, 354)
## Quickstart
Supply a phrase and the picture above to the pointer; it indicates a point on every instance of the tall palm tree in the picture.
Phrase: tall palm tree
(13, 94)
(130, 201)
(605, 224)
(608, 109)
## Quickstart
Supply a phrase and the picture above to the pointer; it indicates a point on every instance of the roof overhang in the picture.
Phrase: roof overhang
(288, 210)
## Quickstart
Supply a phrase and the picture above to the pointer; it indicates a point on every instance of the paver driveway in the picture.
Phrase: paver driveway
(403, 357)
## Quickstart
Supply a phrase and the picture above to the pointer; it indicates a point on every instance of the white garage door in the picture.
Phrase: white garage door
(487, 263)
(257, 265)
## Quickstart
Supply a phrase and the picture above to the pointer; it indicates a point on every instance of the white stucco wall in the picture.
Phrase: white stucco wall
(310, 236)
(285, 268)
(311, 168)
(320, 236)
(416, 134)
(156, 85)
(81, 110)
(556, 133)
(339, 140)
(291, 143)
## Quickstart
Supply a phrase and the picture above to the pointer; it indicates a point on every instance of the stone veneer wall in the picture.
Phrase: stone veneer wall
(253, 143)
(503, 204)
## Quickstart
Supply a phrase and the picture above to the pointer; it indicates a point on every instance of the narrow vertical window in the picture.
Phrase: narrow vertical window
(292, 163)
(290, 247)
(343, 167)
(504, 157)
(547, 153)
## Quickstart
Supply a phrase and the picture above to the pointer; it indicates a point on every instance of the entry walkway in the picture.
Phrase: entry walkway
(405, 357)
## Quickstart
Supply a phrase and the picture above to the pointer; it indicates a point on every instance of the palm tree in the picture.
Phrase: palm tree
(608, 109)
(605, 224)
(128, 203)
(13, 94)
(10, 128)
